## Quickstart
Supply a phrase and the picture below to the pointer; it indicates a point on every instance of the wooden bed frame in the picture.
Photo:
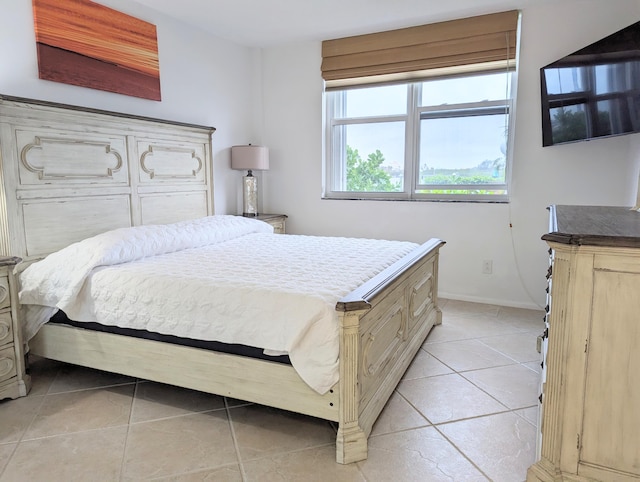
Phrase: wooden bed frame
(69, 173)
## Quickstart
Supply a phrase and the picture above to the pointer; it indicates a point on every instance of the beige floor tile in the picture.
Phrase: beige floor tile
(467, 308)
(16, 416)
(502, 445)
(425, 365)
(519, 346)
(94, 456)
(530, 414)
(463, 327)
(154, 401)
(447, 398)
(83, 410)
(416, 455)
(535, 366)
(179, 445)
(262, 431)
(43, 372)
(398, 415)
(6, 451)
(467, 355)
(310, 465)
(514, 385)
(447, 331)
(71, 378)
(230, 473)
(522, 318)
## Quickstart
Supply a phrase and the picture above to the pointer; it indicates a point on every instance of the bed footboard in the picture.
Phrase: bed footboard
(383, 324)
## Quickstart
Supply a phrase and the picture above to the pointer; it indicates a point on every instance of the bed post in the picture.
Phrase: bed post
(351, 441)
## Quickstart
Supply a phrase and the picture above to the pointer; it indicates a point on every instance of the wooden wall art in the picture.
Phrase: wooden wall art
(83, 43)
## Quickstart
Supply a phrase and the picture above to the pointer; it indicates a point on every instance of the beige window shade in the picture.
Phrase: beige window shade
(445, 45)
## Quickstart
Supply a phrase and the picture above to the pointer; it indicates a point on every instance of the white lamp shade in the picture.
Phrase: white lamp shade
(250, 158)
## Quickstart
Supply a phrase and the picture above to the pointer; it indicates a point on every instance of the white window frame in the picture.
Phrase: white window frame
(334, 160)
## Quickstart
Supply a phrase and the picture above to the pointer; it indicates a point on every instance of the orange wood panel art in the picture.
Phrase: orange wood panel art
(83, 43)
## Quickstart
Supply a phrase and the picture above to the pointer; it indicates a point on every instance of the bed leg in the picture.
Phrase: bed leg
(351, 445)
(351, 441)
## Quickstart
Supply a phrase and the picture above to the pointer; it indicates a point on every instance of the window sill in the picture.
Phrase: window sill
(355, 197)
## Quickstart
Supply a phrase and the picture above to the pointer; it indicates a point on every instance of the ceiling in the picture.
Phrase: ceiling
(267, 23)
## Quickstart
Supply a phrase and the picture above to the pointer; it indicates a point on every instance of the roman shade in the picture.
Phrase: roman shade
(406, 53)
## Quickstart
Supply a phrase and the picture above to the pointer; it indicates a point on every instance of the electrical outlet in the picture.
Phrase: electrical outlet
(487, 266)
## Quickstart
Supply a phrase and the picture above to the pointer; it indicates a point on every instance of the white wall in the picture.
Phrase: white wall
(601, 172)
(204, 80)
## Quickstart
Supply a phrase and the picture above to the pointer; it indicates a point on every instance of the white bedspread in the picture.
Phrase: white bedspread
(222, 278)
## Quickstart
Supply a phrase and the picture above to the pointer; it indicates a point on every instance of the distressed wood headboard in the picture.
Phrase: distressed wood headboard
(68, 173)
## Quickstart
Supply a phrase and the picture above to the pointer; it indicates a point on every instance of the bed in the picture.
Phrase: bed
(71, 174)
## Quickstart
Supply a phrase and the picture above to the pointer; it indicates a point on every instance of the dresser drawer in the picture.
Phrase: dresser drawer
(6, 331)
(5, 299)
(7, 363)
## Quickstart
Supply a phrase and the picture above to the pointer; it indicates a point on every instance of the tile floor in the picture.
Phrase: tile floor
(465, 411)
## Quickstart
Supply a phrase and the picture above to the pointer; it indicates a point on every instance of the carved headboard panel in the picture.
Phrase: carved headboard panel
(68, 173)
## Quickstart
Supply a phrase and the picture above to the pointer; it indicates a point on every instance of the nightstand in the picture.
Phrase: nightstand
(278, 221)
(14, 382)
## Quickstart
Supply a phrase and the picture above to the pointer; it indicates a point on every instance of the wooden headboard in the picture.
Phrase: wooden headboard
(68, 173)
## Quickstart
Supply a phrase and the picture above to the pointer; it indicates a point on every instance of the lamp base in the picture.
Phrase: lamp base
(249, 195)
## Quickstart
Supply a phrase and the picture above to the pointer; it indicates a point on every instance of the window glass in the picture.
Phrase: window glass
(375, 101)
(460, 90)
(373, 157)
(463, 150)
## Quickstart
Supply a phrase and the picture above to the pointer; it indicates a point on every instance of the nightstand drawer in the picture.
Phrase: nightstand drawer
(5, 298)
(14, 381)
(6, 330)
(7, 363)
(278, 226)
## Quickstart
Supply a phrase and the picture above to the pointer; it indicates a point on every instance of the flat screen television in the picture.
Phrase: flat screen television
(593, 92)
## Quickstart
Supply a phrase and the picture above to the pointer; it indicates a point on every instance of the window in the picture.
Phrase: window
(440, 138)
(421, 113)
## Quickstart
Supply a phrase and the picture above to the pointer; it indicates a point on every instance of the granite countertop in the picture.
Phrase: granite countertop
(594, 225)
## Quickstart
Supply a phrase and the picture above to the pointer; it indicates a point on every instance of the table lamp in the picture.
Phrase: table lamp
(250, 158)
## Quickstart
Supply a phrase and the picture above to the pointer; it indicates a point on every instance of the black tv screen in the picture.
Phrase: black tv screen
(594, 92)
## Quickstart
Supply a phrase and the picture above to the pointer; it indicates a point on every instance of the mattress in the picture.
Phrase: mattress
(221, 278)
(60, 318)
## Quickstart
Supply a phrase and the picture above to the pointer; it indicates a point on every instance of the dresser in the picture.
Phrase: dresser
(590, 413)
(14, 382)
